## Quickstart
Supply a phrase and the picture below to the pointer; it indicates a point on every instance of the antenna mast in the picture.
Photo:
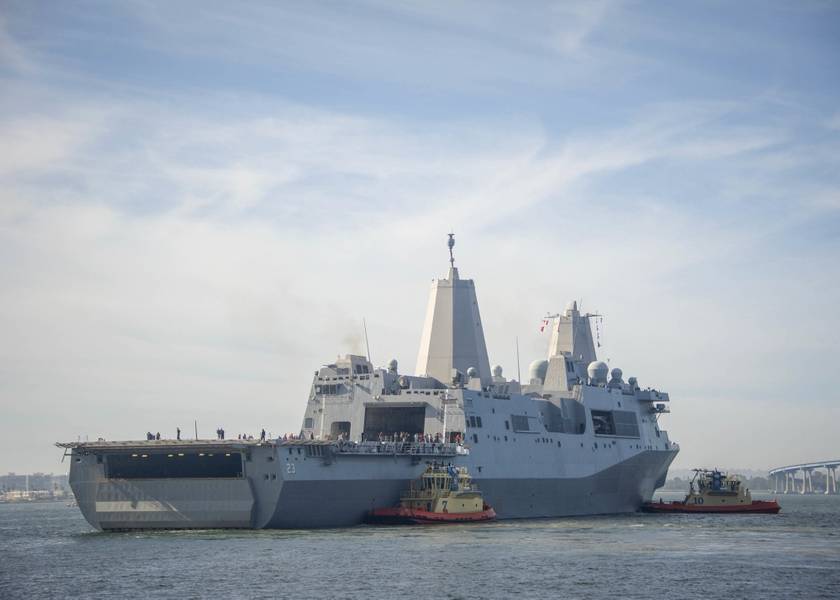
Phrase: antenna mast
(367, 345)
(451, 244)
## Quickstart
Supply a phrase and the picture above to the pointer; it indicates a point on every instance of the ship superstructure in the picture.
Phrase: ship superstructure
(574, 439)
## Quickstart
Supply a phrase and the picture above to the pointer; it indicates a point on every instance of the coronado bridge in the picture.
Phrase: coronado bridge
(785, 479)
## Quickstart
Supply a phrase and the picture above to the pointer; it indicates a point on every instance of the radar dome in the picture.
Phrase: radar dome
(392, 365)
(615, 379)
(538, 369)
(597, 371)
(472, 372)
(497, 370)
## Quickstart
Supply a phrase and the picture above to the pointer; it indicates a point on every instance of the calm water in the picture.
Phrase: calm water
(48, 550)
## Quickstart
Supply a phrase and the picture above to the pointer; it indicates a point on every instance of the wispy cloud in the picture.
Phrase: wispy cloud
(13, 56)
(39, 143)
(201, 211)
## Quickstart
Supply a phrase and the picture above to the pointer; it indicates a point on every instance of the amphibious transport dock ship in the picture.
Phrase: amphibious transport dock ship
(575, 439)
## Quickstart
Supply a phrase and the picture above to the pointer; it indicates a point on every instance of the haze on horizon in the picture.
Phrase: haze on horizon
(200, 202)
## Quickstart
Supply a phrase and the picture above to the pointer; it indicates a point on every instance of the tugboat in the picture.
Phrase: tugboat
(711, 491)
(442, 494)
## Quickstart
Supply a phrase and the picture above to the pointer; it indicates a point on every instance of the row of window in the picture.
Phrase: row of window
(346, 377)
(474, 422)
(536, 440)
(330, 389)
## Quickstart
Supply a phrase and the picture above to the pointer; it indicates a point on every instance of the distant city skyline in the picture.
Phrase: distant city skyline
(200, 202)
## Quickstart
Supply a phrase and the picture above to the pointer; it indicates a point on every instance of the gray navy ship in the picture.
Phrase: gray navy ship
(575, 439)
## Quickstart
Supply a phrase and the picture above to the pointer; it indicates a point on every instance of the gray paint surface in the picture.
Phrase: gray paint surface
(536, 448)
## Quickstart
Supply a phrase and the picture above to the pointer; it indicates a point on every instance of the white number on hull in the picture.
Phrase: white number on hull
(290, 468)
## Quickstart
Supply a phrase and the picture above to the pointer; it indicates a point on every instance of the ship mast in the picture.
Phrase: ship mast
(453, 337)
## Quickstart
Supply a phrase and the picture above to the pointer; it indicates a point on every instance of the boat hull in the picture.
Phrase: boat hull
(757, 506)
(407, 516)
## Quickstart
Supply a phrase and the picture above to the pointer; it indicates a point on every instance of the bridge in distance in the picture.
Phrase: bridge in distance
(785, 478)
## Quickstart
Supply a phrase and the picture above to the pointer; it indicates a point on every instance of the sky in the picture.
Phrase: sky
(200, 202)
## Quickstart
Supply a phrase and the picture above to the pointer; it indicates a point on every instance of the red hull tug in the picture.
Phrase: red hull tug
(442, 495)
(714, 492)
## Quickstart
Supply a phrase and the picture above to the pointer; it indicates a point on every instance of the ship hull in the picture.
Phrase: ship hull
(409, 516)
(757, 506)
(340, 494)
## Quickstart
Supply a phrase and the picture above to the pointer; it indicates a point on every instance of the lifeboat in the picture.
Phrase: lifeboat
(711, 491)
(442, 494)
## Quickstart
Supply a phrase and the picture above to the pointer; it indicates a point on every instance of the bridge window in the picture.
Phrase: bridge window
(330, 389)
(474, 421)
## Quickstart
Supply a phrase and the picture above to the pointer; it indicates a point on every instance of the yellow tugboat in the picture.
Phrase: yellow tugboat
(443, 494)
(711, 491)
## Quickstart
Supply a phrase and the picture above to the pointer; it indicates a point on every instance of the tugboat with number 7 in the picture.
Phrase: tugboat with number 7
(443, 494)
(711, 491)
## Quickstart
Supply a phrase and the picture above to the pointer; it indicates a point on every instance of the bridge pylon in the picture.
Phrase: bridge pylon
(792, 485)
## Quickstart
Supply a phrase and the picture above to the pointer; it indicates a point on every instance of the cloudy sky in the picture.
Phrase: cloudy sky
(200, 202)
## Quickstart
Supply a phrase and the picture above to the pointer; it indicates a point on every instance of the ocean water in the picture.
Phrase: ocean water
(49, 551)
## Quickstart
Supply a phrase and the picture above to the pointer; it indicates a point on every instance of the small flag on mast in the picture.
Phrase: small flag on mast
(543, 325)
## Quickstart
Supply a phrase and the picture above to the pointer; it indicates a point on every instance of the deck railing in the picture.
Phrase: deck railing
(400, 448)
